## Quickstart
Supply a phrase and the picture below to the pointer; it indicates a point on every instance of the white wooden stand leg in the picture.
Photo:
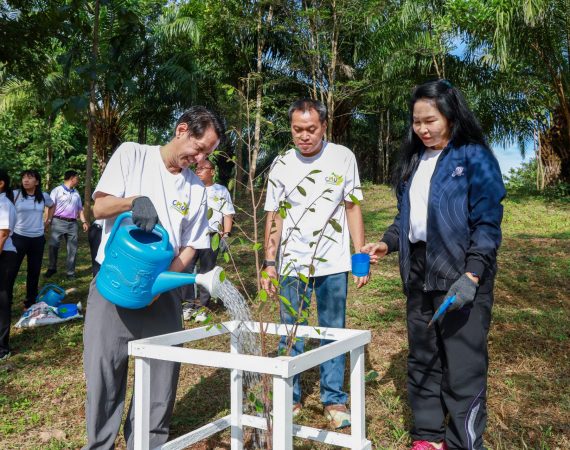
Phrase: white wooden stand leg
(282, 413)
(236, 383)
(357, 398)
(142, 404)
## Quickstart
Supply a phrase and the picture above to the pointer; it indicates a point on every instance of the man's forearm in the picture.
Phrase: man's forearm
(355, 225)
(228, 223)
(273, 229)
(180, 262)
(107, 206)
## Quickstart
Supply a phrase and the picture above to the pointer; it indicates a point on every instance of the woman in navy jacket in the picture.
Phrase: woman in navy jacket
(448, 231)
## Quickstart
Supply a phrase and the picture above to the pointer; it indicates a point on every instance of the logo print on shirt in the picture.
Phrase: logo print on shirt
(459, 171)
(181, 207)
(334, 179)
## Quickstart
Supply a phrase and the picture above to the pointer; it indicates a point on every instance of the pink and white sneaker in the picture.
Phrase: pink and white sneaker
(425, 445)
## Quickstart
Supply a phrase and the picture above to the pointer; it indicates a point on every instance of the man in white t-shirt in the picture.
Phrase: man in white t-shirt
(312, 205)
(220, 222)
(153, 182)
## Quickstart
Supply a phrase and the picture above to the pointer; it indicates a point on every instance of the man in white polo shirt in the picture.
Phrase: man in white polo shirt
(67, 209)
(313, 211)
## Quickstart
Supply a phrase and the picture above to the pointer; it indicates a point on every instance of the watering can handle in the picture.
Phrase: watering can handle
(55, 288)
(129, 214)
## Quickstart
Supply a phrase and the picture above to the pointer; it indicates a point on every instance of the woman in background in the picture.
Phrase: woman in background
(448, 231)
(32, 207)
(7, 262)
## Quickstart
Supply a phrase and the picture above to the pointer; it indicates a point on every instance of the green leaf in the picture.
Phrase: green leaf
(215, 241)
(317, 232)
(336, 226)
(370, 376)
(263, 295)
(256, 246)
(301, 189)
(354, 199)
(283, 212)
(222, 276)
(314, 171)
(320, 259)
(226, 257)
(303, 278)
(311, 179)
(311, 269)
(265, 275)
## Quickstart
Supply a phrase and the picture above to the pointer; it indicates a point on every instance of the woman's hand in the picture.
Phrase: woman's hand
(375, 251)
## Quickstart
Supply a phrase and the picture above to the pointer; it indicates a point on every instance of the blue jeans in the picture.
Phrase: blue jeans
(330, 291)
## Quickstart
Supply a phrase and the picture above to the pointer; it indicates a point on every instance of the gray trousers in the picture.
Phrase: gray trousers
(108, 329)
(68, 231)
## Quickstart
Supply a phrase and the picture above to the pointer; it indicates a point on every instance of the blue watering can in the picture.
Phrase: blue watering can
(134, 270)
(52, 294)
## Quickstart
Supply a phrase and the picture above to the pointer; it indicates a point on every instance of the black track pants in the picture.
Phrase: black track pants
(447, 364)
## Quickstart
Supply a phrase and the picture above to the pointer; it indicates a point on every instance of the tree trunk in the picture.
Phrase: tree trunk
(554, 150)
(91, 117)
(378, 169)
(332, 71)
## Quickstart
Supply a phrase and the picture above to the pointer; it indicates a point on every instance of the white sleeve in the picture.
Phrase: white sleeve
(53, 194)
(48, 201)
(114, 177)
(5, 216)
(228, 206)
(352, 185)
(275, 189)
(195, 233)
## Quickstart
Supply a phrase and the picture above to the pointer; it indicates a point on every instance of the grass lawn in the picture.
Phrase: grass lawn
(42, 391)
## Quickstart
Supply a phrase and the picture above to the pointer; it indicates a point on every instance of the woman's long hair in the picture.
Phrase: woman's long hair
(7, 189)
(38, 195)
(465, 128)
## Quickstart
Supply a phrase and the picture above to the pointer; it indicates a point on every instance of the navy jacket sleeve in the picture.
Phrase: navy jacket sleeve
(392, 235)
(486, 191)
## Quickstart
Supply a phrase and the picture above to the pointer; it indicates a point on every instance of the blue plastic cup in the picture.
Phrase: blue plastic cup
(360, 264)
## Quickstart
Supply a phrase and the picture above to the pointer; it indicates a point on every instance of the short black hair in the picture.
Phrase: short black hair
(5, 177)
(307, 104)
(70, 174)
(199, 119)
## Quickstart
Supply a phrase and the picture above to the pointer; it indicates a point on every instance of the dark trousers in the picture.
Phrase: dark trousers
(33, 249)
(205, 258)
(8, 274)
(94, 238)
(108, 330)
(447, 363)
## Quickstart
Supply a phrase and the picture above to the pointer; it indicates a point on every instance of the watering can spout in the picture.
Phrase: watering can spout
(166, 281)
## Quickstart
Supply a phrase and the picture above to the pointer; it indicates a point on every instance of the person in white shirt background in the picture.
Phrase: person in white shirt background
(7, 261)
(32, 211)
(220, 222)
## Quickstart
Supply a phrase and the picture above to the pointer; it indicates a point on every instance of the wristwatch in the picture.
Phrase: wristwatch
(268, 263)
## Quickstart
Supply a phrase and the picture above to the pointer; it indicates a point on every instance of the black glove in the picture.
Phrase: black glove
(144, 214)
(464, 290)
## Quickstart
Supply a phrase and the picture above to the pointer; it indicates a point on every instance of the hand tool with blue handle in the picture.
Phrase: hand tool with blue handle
(443, 307)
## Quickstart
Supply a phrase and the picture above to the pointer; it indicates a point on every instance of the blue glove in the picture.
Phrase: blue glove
(144, 214)
(464, 290)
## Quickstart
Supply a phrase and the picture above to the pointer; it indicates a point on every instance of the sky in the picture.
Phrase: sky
(510, 157)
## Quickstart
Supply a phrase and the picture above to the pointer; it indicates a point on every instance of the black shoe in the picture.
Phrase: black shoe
(49, 273)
